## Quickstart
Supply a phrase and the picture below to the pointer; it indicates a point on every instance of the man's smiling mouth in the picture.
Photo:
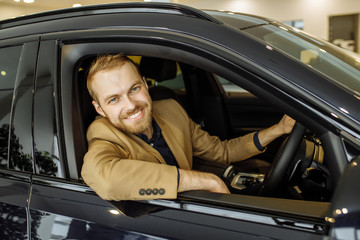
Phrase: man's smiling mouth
(136, 115)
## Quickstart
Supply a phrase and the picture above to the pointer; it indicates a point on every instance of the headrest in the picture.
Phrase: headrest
(157, 68)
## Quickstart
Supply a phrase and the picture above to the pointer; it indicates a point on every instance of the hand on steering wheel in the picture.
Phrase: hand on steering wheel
(282, 161)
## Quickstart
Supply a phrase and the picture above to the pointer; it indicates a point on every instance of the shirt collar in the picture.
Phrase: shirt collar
(156, 133)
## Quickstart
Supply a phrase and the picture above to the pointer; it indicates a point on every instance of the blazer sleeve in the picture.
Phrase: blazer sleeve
(211, 148)
(113, 176)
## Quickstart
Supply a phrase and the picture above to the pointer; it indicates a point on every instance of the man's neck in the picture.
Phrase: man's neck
(149, 132)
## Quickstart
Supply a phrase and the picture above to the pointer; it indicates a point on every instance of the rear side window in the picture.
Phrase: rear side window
(9, 61)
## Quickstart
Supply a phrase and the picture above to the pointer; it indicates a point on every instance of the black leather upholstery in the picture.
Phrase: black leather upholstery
(157, 69)
(160, 70)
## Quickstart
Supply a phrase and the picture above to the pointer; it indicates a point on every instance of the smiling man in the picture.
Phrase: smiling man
(126, 104)
(139, 149)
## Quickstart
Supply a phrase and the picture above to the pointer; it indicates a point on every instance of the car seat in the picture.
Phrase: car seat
(158, 69)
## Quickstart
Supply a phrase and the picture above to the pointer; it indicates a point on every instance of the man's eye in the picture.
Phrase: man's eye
(135, 89)
(112, 100)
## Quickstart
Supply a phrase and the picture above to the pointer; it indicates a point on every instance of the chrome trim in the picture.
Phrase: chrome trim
(236, 214)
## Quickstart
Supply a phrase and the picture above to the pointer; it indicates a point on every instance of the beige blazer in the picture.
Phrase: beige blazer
(120, 166)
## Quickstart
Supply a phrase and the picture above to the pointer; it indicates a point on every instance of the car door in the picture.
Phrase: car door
(17, 61)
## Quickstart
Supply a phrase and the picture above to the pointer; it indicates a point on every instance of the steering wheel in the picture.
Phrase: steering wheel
(277, 173)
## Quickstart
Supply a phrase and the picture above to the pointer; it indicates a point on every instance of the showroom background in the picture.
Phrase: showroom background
(333, 20)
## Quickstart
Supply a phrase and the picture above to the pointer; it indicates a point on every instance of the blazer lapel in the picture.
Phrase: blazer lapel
(148, 148)
(172, 141)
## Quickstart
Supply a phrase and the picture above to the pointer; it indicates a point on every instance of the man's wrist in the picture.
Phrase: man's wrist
(194, 180)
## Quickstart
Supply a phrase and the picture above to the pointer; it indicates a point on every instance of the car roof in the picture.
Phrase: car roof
(240, 20)
(167, 8)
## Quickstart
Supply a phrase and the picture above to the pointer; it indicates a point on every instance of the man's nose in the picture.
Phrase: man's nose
(129, 103)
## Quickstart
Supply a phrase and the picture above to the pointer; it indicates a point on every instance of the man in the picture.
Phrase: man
(141, 149)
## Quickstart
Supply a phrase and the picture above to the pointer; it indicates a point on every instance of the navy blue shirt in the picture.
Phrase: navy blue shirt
(158, 142)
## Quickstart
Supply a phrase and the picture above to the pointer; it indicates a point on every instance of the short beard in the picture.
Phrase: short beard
(136, 130)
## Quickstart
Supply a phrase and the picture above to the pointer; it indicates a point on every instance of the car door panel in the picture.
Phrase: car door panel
(14, 190)
(68, 211)
(64, 210)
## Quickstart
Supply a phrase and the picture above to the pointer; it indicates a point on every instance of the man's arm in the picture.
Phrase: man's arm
(194, 180)
(285, 126)
(113, 176)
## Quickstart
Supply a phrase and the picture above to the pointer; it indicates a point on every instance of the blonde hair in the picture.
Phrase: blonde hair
(105, 62)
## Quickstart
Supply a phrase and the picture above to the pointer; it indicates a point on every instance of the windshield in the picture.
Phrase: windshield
(338, 64)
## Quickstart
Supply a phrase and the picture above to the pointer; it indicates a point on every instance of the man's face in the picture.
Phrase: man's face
(124, 99)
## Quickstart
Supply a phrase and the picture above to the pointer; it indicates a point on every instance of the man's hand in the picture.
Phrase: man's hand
(194, 180)
(285, 126)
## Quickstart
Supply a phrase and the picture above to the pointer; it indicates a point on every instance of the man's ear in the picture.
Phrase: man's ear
(98, 108)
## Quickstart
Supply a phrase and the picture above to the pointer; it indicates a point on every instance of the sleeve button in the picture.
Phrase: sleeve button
(155, 191)
(161, 191)
(142, 192)
(148, 191)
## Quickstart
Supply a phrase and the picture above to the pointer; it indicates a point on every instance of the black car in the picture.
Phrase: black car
(233, 73)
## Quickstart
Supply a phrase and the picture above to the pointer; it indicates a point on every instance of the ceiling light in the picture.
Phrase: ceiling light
(28, 1)
(77, 5)
(163, 1)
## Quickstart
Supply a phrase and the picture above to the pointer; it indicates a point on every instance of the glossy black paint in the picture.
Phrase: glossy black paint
(46, 123)
(14, 198)
(42, 195)
(344, 212)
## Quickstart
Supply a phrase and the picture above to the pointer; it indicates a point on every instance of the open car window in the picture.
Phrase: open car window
(308, 174)
(197, 83)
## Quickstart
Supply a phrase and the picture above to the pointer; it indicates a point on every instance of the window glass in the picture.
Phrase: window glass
(21, 144)
(340, 66)
(9, 60)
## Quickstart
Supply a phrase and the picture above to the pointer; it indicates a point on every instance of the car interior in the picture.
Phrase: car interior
(227, 111)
